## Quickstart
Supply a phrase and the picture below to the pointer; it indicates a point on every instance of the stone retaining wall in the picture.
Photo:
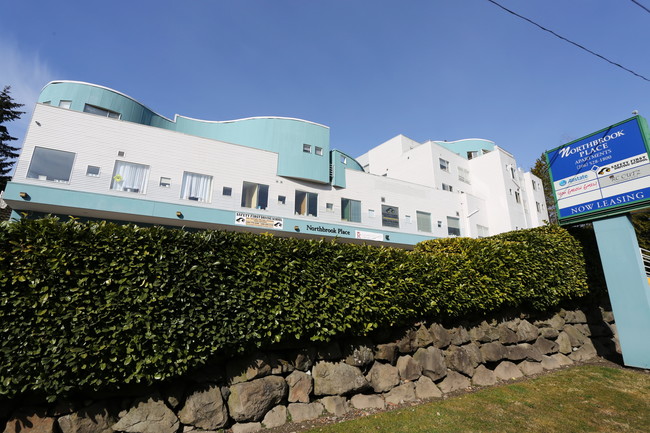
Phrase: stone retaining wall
(272, 388)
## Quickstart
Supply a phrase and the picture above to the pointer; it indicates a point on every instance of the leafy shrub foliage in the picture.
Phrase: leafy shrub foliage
(88, 306)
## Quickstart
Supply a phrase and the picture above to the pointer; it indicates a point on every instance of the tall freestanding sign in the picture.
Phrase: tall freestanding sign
(602, 178)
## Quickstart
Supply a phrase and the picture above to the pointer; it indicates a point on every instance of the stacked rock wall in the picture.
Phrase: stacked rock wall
(270, 389)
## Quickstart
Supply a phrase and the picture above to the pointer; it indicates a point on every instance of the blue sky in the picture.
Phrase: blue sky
(368, 69)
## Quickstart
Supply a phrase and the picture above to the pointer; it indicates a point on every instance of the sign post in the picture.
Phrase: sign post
(628, 287)
(602, 178)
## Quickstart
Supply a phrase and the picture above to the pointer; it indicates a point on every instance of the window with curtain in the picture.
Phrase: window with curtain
(350, 210)
(129, 177)
(196, 187)
(424, 221)
(453, 226)
(306, 203)
(255, 195)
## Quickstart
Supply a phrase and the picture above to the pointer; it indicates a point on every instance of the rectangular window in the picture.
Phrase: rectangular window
(196, 187)
(255, 195)
(101, 111)
(306, 203)
(65, 104)
(512, 171)
(92, 170)
(50, 164)
(534, 186)
(165, 182)
(472, 154)
(306, 148)
(463, 175)
(444, 164)
(227, 191)
(350, 210)
(389, 216)
(539, 206)
(447, 187)
(482, 231)
(329, 207)
(282, 199)
(129, 177)
(517, 197)
(424, 221)
(319, 151)
(453, 226)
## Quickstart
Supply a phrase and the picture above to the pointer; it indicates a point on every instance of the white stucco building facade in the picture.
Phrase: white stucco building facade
(96, 153)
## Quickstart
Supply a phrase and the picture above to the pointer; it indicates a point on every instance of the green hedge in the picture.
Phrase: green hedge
(89, 306)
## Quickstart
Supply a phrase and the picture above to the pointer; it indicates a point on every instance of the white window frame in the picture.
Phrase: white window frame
(423, 220)
(51, 165)
(130, 177)
(196, 187)
(259, 195)
(353, 208)
(89, 174)
(101, 111)
(306, 204)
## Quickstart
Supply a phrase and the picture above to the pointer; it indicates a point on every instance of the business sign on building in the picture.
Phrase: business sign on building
(602, 174)
(259, 221)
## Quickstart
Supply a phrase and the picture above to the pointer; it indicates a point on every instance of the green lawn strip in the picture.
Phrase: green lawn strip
(581, 399)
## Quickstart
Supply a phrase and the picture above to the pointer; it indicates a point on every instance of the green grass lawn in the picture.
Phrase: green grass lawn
(581, 399)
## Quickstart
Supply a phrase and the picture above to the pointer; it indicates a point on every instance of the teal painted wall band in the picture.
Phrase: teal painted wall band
(197, 215)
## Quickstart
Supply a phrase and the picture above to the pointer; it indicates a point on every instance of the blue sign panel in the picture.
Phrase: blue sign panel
(601, 173)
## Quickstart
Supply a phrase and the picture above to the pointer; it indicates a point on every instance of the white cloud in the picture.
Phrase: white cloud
(26, 73)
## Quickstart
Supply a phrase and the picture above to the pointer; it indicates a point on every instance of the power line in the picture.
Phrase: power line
(640, 5)
(570, 41)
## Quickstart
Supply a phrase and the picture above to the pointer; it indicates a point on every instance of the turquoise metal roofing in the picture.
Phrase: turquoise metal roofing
(461, 147)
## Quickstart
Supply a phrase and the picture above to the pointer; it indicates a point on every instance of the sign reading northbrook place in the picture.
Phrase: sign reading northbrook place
(604, 173)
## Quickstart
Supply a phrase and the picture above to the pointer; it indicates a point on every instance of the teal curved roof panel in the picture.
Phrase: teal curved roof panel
(462, 147)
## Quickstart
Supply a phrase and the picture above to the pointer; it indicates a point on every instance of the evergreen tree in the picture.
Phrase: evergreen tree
(540, 169)
(8, 112)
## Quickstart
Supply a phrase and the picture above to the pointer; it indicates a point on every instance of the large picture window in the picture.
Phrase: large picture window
(196, 187)
(129, 177)
(389, 216)
(350, 210)
(306, 203)
(424, 221)
(50, 164)
(255, 195)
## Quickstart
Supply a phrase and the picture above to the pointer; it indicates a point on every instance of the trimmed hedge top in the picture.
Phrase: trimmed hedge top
(86, 306)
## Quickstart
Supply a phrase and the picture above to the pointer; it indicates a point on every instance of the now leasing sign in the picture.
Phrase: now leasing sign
(604, 173)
